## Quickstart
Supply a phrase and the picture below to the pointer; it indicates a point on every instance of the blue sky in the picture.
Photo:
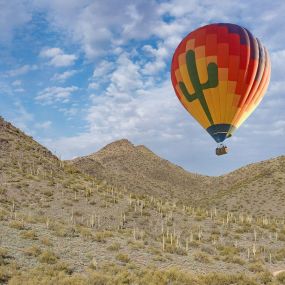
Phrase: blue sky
(77, 75)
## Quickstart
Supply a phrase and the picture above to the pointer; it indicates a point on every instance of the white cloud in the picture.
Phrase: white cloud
(54, 94)
(126, 78)
(160, 55)
(44, 125)
(93, 85)
(128, 108)
(22, 118)
(103, 69)
(17, 83)
(19, 90)
(148, 118)
(13, 14)
(69, 112)
(101, 74)
(50, 52)
(21, 70)
(62, 77)
(97, 25)
(57, 57)
(278, 62)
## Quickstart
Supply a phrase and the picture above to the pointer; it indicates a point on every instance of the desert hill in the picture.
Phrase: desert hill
(59, 225)
(257, 188)
(140, 171)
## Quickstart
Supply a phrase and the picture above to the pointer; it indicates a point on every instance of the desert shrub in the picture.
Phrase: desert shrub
(61, 230)
(4, 275)
(123, 257)
(233, 259)
(256, 267)
(15, 224)
(265, 278)
(227, 250)
(3, 214)
(3, 252)
(202, 257)
(63, 267)
(194, 243)
(175, 250)
(245, 228)
(227, 279)
(208, 249)
(86, 233)
(3, 255)
(46, 241)
(48, 193)
(102, 236)
(99, 278)
(33, 251)
(177, 277)
(115, 246)
(48, 256)
(30, 234)
(3, 190)
(136, 244)
(281, 237)
(281, 278)
(280, 254)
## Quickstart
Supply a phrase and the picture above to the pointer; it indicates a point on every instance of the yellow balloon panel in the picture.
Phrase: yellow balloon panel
(195, 109)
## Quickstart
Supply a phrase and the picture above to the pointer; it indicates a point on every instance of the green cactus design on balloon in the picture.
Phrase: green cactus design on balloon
(212, 82)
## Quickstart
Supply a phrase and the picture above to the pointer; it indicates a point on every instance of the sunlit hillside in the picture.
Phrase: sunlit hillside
(61, 225)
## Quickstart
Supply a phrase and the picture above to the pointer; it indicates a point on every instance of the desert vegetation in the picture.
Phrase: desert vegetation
(59, 225)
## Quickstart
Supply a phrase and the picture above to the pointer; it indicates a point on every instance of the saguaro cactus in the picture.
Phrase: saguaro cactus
(212, 82)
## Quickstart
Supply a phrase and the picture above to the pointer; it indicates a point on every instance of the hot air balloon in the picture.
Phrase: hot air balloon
(220, 73)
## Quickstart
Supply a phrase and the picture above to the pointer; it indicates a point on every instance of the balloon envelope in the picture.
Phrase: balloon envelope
(220, 73)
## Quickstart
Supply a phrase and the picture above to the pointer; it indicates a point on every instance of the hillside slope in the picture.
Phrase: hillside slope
(61, 226)
(140, 171)
(257, 188)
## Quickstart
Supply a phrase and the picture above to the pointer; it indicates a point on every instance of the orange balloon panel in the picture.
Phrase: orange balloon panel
(220, 72)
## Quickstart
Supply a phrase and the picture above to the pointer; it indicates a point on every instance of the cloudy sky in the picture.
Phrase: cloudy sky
(77, 75)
